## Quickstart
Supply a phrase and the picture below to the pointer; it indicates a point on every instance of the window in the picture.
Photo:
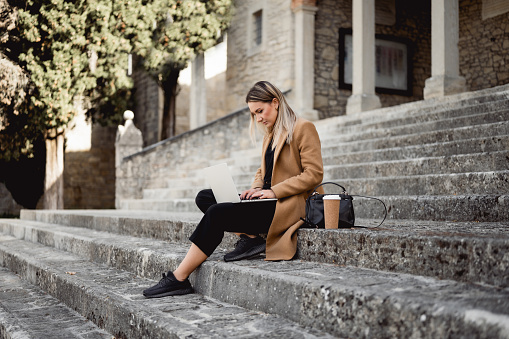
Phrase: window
(257, 28)
(256, 18)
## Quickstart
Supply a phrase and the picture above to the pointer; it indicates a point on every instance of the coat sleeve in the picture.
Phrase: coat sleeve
(306, 145)
(258, 180)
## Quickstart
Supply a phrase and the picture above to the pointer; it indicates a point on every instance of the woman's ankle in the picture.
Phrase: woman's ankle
(179, 276)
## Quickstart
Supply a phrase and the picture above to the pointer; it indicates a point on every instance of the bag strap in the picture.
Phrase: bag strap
(385, 207)
(344, 191)
(328, 182)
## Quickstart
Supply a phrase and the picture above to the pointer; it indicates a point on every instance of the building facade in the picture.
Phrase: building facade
(406, 51)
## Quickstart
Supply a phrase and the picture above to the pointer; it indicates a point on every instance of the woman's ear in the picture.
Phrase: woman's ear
(275, 103)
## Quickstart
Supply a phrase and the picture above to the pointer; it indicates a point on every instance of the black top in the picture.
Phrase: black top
(269, 164)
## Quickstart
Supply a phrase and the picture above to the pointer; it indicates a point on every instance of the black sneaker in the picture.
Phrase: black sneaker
(246, 248)
(168, 285)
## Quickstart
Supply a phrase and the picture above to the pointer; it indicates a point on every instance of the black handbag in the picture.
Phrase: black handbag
(314, 209)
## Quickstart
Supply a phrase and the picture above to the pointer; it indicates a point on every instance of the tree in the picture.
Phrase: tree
(52, 43)
(76, 52)
(184, 29)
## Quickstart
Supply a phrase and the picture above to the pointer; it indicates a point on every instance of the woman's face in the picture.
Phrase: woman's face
(264, 112)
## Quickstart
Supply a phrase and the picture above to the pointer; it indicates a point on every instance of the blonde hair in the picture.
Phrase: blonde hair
(264, 91)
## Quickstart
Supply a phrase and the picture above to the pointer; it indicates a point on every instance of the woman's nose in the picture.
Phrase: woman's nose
(258, 118)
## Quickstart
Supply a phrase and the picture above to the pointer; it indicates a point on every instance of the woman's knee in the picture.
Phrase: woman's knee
(204, 199)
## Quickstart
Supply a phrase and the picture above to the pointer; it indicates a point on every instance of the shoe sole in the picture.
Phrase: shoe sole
(167, 294)
(249, 254)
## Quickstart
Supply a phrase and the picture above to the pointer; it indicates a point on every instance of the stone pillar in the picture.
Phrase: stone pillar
(363, 96)
(53, 197)
(198, 95)
(305, 58)
(129, 139)
(445, 77)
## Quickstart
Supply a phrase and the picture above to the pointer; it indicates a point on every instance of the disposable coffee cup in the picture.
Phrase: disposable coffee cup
(331, 210)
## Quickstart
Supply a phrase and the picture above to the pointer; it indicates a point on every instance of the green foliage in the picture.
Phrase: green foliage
(55, 41)
(184, 28)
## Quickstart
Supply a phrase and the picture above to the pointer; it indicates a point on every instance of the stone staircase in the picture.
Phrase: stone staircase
(437, 268)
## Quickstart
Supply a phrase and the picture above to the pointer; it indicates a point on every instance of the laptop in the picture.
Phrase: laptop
(223, 187)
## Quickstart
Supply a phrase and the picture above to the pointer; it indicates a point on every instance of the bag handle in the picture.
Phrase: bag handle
(329, 182)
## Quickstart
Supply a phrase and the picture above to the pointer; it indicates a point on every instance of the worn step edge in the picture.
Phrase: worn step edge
(423, 117)
(488, 208)
(27, 312)
(417, 107)
(112, 298)
(398, 246)
(418, 138)
(473, 183)
(484, 208)
(177, 205)
(409, 121)
(463, 163)
(426, 127)
(462, 208)
(338, 300)
(441, 149)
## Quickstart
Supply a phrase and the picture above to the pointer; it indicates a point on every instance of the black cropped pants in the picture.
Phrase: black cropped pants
(250, 218)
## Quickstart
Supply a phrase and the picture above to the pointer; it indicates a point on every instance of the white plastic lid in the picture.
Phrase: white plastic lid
(332, 197)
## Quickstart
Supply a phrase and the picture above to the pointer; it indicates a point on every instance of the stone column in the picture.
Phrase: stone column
(129, 139)
(363, 96)
(445, 77)
(198, 94)
(305, 58)
(53, 197)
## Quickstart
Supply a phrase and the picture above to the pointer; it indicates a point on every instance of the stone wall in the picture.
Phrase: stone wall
(151, 167)
(412, 23)
(483, 46)
(149, 107)
(89, 175)
(273, 61)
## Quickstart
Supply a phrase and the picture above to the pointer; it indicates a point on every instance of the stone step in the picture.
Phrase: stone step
(176, 205)
(113, 299)
(465, 163)
(395, 155)
(451, 208)
(342, 301)
(461, 114)
(416, 108)
(495, 161)
(439, 149)
(419, 140)
(172, 192)
(27, 312)
(474, 183)
(445, 250)
(474, 207)
(423, 129)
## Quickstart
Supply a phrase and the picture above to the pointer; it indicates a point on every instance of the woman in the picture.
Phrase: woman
(291, 167)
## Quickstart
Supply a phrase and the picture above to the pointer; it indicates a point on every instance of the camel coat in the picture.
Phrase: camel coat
(298, 168)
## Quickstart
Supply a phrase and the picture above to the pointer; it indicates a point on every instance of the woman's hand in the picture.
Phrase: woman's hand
(248, 194)
(264, 194)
